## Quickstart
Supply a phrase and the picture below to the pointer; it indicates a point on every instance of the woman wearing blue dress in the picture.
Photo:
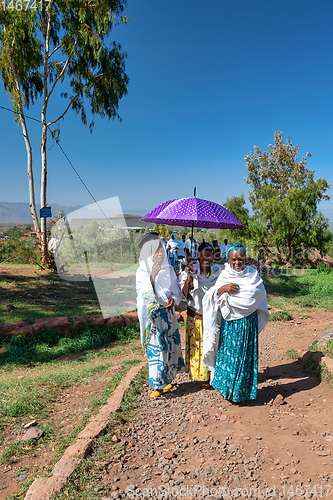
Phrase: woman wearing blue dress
(157, 292)
(235, 312)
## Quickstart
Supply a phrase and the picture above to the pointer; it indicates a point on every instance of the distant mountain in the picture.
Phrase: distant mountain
(19, 213)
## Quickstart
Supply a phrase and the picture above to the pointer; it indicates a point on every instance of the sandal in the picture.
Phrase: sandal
(167, 387)
(156, 393)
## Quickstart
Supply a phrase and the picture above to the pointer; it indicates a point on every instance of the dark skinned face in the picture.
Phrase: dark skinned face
(237, 260)
(205, 258)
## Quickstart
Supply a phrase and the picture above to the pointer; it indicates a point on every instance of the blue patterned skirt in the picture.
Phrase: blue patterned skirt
(163, 349)
(236, 371)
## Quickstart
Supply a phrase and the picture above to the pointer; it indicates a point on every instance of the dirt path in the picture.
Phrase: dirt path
(191, 443)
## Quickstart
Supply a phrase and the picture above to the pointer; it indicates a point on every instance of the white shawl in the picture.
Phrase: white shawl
(250, 297)
(200, 286)
(166, 284)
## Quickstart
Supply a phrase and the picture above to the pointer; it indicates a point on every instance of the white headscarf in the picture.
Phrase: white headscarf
(172, 243)
(250, 297)
(166, 283)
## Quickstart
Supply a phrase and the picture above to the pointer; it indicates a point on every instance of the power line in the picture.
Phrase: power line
(69, 161)
(67, 158)
(16, 113)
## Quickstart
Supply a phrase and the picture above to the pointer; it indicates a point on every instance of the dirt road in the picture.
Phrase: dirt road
(190, 443)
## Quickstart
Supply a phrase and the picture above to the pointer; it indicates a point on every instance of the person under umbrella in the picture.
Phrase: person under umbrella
(157, 291)
(231, 341)
(195, 281)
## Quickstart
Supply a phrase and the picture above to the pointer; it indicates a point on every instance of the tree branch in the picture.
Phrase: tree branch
(62, 71)
(55, 50)
(63, 114)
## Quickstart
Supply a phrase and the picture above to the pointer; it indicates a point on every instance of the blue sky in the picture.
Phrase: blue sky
(209, 80)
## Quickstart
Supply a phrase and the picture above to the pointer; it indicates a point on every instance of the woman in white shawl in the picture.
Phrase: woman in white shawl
(157, 291)
(235, 312)
(195, 282)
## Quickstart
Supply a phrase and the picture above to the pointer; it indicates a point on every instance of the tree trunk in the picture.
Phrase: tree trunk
(32, 200)
(43, 202)
(43, 186)
(28, 147)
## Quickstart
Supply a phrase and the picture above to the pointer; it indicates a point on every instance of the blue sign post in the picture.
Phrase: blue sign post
(45, 212)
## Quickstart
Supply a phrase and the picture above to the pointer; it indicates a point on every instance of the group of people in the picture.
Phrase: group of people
(179, 251)
(226, 309)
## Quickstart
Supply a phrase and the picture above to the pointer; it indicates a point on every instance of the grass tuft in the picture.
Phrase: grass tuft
(280, 316)
(292, 354)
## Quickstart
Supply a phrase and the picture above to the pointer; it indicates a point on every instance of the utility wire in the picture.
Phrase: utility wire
(69, 161)
(16, 113)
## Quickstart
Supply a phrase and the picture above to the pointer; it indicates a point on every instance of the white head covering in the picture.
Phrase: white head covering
(250, 297)
(172, 243)
(166, 283)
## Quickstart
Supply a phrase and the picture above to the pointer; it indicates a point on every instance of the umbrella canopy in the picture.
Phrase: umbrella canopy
(193, 212)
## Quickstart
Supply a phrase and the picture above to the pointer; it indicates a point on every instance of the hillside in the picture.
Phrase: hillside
(19, 213)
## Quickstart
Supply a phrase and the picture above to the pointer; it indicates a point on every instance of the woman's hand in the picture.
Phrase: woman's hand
(230, 288)
(189, 267)
(155, 270)
(170, 303)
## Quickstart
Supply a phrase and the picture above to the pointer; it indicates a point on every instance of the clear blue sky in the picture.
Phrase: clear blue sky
(209, 80)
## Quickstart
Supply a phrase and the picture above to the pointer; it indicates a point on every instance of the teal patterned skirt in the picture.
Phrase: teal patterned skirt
(236, 370)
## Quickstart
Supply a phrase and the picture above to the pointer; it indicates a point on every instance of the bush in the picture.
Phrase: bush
(22, 251)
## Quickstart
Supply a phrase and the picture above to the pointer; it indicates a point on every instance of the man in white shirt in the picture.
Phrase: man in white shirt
(224, 249)
(181, 252)
(191, 248)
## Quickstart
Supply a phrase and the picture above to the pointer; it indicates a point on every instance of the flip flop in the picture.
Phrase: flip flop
(156, 393)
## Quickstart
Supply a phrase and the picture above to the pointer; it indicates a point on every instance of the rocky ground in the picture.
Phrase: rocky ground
(190, 443)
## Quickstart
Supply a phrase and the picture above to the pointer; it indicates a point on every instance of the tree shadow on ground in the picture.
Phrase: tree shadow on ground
(285, 286)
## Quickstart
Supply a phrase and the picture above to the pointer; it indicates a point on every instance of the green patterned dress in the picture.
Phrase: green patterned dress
(236, 371)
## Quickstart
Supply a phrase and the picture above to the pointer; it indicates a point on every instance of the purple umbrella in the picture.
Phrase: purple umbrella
(193, 212)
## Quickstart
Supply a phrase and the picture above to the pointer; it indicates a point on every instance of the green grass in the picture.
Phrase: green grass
(329, 349)
(301, 291)
(292, 354)
(85, 482)
(34, 394)
(47, 346)
(40, 294)
(34, 293)
(280, 316)
(32, 376)
(318, 369)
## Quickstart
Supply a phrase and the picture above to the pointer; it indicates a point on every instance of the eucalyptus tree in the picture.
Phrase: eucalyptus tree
(60, 48)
